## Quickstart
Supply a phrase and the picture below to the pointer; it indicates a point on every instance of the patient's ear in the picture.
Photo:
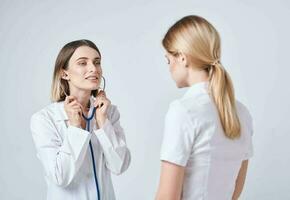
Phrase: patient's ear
(182, 59)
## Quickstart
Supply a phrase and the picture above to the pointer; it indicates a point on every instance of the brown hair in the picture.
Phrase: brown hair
(60, 87)
(199, 40)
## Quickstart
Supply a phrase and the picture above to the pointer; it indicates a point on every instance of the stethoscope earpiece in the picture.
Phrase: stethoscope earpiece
(104, 86)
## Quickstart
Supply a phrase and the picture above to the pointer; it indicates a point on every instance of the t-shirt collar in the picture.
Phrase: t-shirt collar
(196, 89)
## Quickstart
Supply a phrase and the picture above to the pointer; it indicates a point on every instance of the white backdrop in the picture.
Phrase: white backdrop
(255, 43)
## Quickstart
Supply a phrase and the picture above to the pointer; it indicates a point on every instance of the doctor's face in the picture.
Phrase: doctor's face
(178, 71)
(84, 69)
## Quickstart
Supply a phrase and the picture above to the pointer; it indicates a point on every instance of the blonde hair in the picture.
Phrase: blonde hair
(195, 37)
(60, 87)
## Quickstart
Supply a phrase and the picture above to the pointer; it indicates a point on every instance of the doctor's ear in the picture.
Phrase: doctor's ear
(65, 76)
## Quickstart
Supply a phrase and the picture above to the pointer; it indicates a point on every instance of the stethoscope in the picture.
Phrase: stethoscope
(88, 120)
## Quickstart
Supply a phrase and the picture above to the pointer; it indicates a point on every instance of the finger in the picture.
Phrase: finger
(104, 103)
(108, 102)
(98, 101)
(101, 99)
(101, 93)
(80, 105)
(69, 99)
(75, 102)
(99, 104)
(75, 107)
(95, 104)
(80, 112)
(77, 111)
(71, 102)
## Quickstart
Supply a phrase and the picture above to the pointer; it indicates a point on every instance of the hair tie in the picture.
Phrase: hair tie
(215, 62)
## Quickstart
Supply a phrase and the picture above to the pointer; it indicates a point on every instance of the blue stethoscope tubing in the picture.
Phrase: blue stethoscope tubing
(88, 119)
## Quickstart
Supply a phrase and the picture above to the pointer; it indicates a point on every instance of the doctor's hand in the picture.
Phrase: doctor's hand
(102, 103)
(73, 110)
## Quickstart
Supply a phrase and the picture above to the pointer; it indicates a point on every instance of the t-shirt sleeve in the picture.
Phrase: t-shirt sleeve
(249, 147)
(178, 137)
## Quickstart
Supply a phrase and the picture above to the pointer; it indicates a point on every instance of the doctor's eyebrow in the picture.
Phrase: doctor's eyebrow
(85, 58)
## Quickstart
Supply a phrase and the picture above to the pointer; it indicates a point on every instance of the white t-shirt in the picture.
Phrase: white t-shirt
(194, 138)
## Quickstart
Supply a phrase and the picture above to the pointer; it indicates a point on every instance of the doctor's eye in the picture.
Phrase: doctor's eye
(97, 63)
(82, 63)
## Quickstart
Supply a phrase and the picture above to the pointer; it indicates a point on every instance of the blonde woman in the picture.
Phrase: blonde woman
(207, 138)
(78, 157)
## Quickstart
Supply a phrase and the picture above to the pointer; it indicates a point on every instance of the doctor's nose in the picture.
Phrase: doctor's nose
(92, 67)
(95, 69)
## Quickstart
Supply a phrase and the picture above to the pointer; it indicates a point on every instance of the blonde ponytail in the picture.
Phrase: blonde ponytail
(222, 92)
(197, 38)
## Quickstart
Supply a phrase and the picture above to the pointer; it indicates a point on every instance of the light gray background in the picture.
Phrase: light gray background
(255, 43)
